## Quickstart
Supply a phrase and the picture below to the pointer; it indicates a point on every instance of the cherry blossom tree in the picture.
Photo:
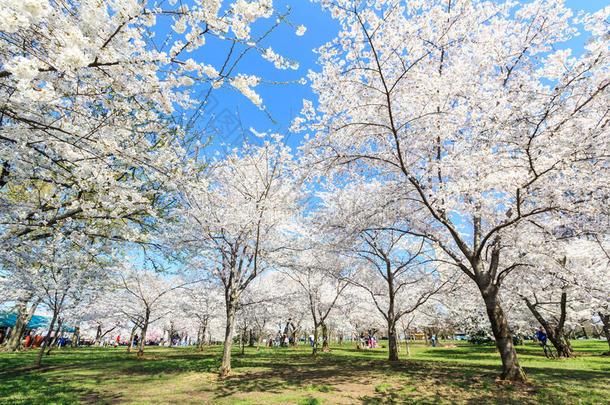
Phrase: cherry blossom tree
(235, 220)
(201, 302)
(316, 276)
(26, 307)
(64, 279)
(556, 280)
(360, 313)
(397, 269)
(93, 99)
(467, 111)
(260, 308)
(151, 293)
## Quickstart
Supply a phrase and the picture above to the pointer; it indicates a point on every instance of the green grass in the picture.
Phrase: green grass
(443, 375)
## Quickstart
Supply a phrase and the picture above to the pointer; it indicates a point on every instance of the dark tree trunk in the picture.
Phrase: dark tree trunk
(250, 338)
(204, 329)
(55, 337)
(242, 343)
(46, 339)
(511, 369)
(314, 351)
(75, 337)
(143, 333)
(325, 343)
(295, 329)
(201, 337)
(392, 344)
(556, 334)
(391, 316)
(98, 335)
(24, 316)
(131, 335)
(225, 367)
(171, 332)
(584, 332)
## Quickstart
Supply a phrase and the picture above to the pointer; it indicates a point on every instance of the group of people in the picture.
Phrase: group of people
(369, 341)
(280, 340)
(110, 342)
(33, 340)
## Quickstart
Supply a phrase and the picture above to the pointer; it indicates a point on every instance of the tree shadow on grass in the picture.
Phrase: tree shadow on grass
(419, 381)
(281, 376)
(42, 388)
(73, 376)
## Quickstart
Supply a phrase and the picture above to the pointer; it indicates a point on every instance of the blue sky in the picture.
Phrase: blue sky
(284, 102)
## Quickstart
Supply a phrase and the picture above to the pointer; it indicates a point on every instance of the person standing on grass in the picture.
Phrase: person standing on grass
(541, 336)
(543, 340)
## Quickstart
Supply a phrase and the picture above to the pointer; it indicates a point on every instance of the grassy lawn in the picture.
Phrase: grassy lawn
(442, 375)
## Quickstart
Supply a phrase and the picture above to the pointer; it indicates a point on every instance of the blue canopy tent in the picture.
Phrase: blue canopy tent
(8, 319)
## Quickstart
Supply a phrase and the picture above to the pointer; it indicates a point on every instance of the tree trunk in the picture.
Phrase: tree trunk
(242, 344)
(314, 351)
(98, 335)
(55, 337)
(199, 338)
(584, 332)
(131, 335)
(556, 334)
(225, 367)
(143, 334)
(560, 342)
(511, 369)
(293, 335)
(204, 329)
(171, 334)
(75, 337)
(46, 339)
(24, 316)
(325, 344)
(391, 316)
(606, 322)
(251, 338)
(393, 348)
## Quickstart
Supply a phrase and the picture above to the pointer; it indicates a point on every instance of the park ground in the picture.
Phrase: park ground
(452, 374)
